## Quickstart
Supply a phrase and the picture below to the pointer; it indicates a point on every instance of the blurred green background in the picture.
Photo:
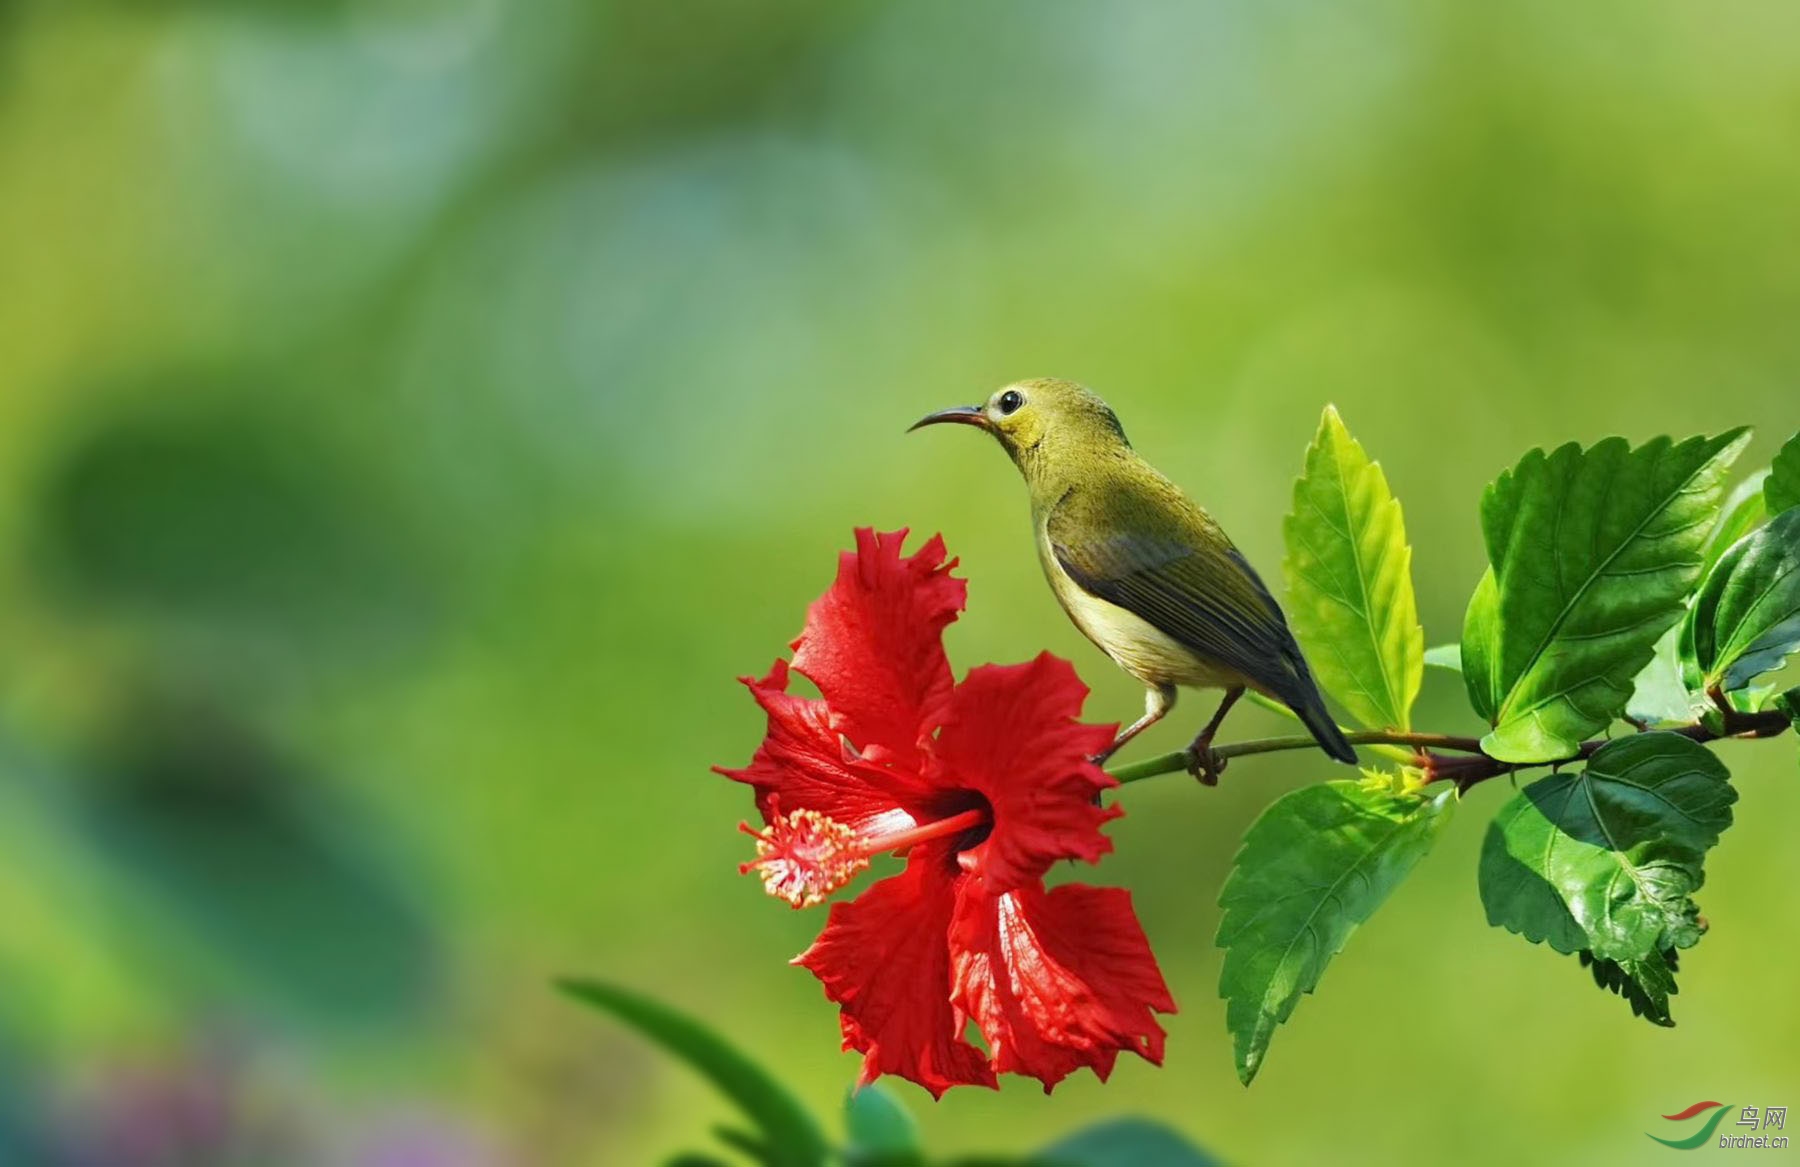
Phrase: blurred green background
(413, 415)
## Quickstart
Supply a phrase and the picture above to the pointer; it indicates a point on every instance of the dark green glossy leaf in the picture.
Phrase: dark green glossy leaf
(1746, 619)
(1742, 512)
(881, 1131)
(1315, 865)
(1789, 703)
(1445, 656)
(1607, 858)
(1645, 984)
(1349, 573)
(1124, 1142)
(1592, 553)
(694, 1159)
(793, 1139)
(1782, 490)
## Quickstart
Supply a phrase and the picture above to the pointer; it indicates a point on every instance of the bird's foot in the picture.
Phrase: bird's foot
(1105, 756)
(1205, 763)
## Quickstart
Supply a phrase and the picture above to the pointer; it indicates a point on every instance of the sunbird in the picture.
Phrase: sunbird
(1141, 569)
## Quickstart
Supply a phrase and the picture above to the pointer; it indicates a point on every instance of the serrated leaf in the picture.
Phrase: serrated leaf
(1746, 619)
(1317, 863)
(1124, 1142)
(1445, 656)
(792, 1138)
(1742, 512)
(1593, 552)
(1782, 490)
(881, 1131)
(1659, 694)
(1645, 984)
(1349, 574)
(1607, 858)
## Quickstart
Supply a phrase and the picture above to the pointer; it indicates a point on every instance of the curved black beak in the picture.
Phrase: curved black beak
(963, 414)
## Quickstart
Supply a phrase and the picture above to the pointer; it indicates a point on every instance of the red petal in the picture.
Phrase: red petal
(885, 959)
(1011, 734)
(1057, 980)
(801, 765)
(873, 644)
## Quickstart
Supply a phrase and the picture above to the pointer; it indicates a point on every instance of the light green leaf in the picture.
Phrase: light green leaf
(1645, 984)
(1782, 491)
(1607, 859)
(1593, 552)
(1746, 619)
(1317, 863)
(1445, 656)
(1659, 694)
(1742, 512)
(1124, 1142)
(882, 1132)
(1349, 575)
(791, 1136)
(1480, 653)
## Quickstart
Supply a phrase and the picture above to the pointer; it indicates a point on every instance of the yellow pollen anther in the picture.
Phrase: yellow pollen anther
(804, 856)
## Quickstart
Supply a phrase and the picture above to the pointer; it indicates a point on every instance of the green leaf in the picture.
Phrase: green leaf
(1316, 864)
(1607, 859)
(792, 1138)
(1782, 490)
(1349, 575)
(1480, 653)
(745, 1143)
(1659, 694)
(1746, 619)
(1124, 1142)
(1742, 513)
(1445, 656)
(1593, 552)
(881, 1130)
(1645, 984)
(1789, 703)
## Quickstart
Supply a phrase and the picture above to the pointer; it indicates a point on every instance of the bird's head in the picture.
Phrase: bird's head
(1048, 426)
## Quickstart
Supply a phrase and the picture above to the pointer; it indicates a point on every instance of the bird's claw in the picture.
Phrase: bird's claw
(1205, 764)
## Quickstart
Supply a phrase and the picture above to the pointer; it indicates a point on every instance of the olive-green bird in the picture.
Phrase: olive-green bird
(1143, 571)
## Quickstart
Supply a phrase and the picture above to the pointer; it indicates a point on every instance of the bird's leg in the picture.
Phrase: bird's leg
(1157, 703)
(1201, 763)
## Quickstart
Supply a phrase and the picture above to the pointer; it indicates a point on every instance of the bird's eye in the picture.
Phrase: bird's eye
(1011, 400)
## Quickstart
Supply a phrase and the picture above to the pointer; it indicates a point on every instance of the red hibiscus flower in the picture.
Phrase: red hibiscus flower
(983, 786)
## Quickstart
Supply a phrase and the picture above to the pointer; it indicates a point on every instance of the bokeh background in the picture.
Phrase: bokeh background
(414, 413)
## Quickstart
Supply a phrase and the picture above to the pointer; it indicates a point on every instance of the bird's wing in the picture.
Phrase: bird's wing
(1169, 563)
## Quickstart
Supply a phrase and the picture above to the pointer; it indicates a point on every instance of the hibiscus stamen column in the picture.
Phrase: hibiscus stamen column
(805, 856)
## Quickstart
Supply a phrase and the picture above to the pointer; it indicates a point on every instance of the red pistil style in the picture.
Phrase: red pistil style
(983, 785)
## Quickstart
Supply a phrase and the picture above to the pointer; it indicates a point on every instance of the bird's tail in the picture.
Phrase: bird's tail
(1324, 728)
